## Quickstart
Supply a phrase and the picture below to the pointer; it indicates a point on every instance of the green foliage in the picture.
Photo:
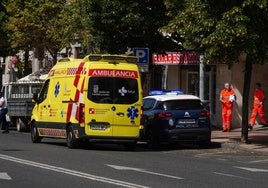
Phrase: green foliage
(221, 30)
(72, 24)
(34, 24)
(117, 25)
(104, 25)
(4, 44)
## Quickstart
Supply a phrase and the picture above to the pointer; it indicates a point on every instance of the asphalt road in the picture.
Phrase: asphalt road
(52, 164)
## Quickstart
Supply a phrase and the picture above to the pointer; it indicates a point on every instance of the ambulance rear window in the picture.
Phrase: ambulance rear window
(113, 90)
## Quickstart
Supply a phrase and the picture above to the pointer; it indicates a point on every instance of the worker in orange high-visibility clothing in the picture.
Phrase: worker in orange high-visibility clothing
(227, 98)
(258, 107)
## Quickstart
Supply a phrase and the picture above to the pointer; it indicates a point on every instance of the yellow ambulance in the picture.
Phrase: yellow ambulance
(98, 98)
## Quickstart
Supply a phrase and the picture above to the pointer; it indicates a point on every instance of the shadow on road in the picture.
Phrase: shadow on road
(141, 147)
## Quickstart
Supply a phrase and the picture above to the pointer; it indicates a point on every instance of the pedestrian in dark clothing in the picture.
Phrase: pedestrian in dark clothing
(3, 112)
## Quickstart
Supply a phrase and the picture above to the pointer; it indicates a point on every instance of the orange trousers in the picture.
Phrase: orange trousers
(227, 109)
(257, 110)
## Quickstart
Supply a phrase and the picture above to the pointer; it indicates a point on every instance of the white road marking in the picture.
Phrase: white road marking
(143, 171)
(5, 176)
(259, 161)
(206, 155)
(71, 172)
(252, 169)
(231, 175)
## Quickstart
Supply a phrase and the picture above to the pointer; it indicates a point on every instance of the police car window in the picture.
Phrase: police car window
(113, 90)
(187, 104)
(148, 104)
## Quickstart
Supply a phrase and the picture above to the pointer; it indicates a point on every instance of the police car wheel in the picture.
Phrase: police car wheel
(204, 144)
(71, 140)
(34, 135)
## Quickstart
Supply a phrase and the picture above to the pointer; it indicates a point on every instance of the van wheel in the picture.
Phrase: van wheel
(35, 135)
(72, 142)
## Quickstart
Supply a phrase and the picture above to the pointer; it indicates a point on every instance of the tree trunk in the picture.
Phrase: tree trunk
(55, 57)
(246, 88)
(27, 68)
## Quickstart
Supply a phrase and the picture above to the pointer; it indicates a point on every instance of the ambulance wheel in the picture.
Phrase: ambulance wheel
(35, 135)
(72, 142)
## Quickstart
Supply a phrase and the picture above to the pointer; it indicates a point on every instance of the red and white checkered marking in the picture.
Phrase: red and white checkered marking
(52, 132)
(73, 71)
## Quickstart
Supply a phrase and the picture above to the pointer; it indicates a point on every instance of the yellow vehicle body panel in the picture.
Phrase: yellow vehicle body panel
(102, 95)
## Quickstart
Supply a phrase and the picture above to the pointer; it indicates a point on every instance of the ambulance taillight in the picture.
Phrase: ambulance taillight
(82, 113)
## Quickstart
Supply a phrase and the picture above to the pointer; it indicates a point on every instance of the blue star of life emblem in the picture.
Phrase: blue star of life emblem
(132, 113)
(57, 89)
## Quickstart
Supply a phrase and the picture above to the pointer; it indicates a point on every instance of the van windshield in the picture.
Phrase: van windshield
(113, 90)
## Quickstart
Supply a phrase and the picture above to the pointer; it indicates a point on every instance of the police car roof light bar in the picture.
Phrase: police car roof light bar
(165, 92)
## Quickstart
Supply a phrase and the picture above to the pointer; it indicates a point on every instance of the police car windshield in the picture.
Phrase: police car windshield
(113, 90)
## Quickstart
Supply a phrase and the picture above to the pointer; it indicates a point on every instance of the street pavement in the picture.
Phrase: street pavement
(258, 139)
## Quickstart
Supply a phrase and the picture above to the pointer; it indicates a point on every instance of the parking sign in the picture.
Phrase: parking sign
(142, 54)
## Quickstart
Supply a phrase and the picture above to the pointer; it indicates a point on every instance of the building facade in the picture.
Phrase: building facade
(185, 75)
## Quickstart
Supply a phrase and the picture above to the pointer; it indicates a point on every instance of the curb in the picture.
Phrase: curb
(235, 144)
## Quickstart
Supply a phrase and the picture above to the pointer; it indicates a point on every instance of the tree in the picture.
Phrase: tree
(223, 31)
(4, 44)
(118, 25)
(38, 25)
(5, 48)
(75, 23)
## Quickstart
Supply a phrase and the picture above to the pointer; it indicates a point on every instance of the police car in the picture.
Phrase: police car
(170, 116)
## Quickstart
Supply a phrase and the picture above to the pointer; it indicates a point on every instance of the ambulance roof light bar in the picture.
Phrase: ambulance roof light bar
(110, 58)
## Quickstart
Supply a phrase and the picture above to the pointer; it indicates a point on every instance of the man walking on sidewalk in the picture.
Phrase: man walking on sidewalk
(258, 107)
(227, 98)
(3, 112)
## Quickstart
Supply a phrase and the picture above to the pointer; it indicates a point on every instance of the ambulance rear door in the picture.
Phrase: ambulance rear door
(99, 108)
(126, 103)
(113, 96)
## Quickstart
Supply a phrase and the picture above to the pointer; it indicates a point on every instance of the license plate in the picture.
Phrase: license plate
(186, 121)
(98, 127)
(187, 126)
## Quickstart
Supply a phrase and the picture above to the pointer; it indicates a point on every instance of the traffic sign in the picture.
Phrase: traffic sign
(142, 54)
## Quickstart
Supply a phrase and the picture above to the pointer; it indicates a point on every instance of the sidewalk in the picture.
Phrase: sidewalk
(258, 139)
